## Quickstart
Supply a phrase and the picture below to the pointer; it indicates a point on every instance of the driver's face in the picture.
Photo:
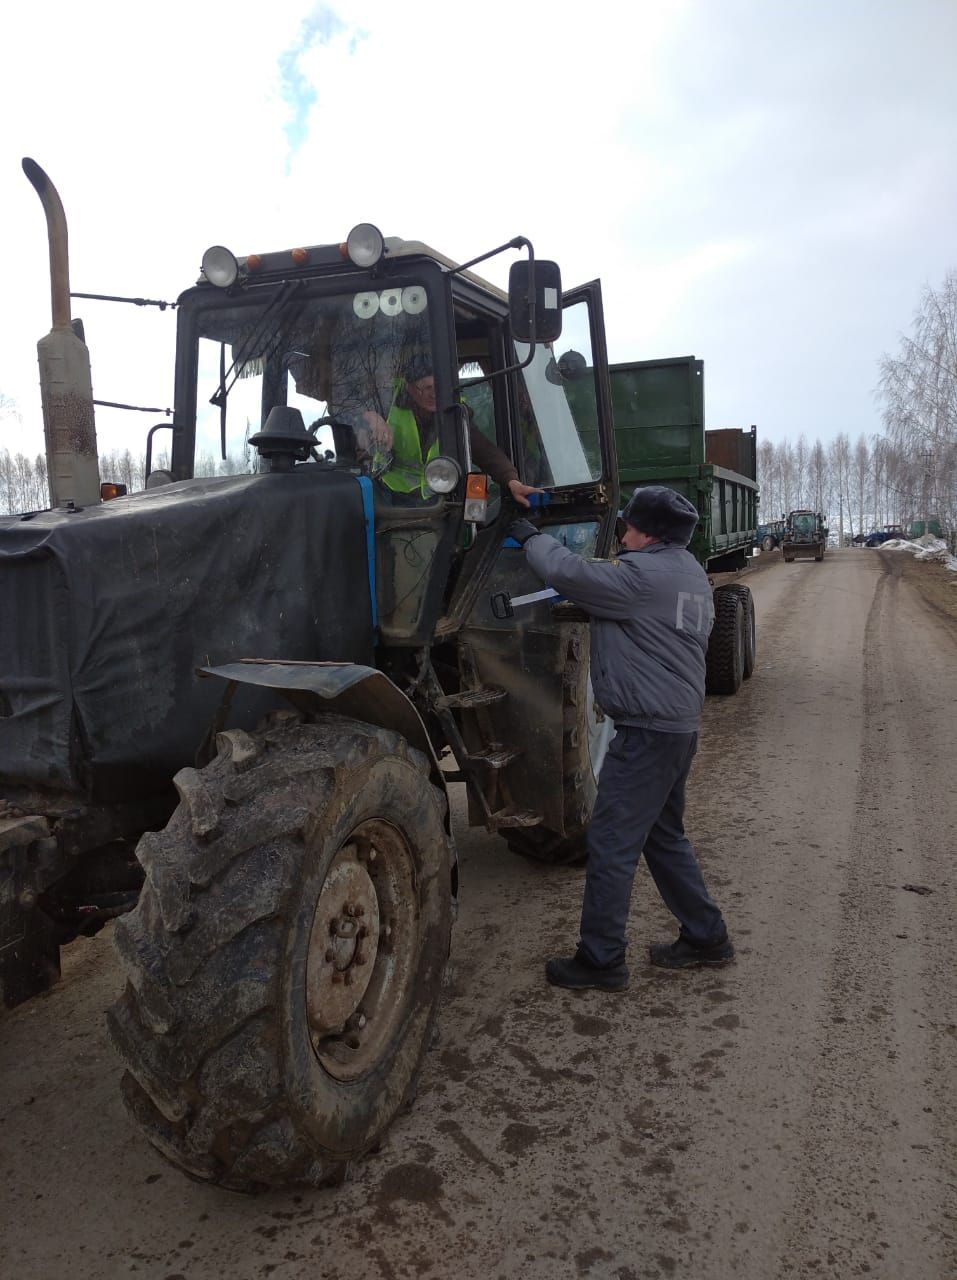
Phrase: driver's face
(422, 393)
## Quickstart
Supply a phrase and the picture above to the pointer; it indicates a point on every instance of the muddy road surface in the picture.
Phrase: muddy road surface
(790, 1116)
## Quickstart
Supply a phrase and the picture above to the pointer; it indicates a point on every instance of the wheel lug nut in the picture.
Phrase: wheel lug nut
(330, 956)
(337, 976)
(360, 911)
(347, 977)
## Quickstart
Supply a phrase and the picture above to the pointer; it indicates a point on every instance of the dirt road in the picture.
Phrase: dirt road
(791, 1116)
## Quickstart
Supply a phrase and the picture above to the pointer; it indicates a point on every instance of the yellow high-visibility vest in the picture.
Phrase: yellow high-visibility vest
(407, 472)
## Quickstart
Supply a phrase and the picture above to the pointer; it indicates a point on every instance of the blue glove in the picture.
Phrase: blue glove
(521, 531)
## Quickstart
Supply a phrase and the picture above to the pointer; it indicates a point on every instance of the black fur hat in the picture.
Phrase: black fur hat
(419, 366)
(662, 513)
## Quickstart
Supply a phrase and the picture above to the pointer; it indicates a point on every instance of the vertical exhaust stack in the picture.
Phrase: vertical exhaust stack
(66, 387)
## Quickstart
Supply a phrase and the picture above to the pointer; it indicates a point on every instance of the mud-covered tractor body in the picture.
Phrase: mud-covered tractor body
(350, 623)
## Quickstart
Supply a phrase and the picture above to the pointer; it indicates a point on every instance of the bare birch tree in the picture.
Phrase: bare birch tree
(919, 392)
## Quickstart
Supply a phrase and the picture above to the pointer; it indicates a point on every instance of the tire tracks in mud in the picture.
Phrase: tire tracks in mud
(877, 1193)
(834, 1117)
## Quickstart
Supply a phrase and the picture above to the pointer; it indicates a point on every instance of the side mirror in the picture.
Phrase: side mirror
(544, 322)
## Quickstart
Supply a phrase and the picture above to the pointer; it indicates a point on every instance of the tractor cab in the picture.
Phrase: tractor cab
(383, 360)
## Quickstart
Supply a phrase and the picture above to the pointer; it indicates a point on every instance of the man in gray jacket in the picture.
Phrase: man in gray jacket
(651, 612)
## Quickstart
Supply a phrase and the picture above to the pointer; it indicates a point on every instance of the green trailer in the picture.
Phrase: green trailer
(658, 408)
(660, 437)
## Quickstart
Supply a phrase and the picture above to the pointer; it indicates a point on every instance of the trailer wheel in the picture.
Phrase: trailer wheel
(285, 960)
(750, 652)
(725, 658)
(587, 731)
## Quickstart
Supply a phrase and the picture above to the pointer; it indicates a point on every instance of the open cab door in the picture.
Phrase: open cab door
(565, 438)
(525, 714)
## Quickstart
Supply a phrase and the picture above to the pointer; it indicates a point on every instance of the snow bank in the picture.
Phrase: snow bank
(926, 548)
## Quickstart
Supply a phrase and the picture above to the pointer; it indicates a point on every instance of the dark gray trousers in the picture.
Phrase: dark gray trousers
(640, 809)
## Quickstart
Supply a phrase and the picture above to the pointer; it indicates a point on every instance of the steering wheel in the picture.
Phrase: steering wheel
(338, 428)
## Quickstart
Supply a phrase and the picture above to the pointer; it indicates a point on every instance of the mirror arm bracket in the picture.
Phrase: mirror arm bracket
(518, 242)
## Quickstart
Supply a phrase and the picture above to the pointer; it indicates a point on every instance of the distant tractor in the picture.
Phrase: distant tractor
(805, 535)
(889, 533)
(770, 536)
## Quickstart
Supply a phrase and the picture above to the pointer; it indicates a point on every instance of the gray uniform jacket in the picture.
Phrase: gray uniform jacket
(651, 614)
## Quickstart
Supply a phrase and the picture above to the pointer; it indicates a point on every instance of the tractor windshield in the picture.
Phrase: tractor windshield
(804, 523)
(343, 358)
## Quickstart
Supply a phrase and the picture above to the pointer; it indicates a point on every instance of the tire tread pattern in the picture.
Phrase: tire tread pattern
(202, 952)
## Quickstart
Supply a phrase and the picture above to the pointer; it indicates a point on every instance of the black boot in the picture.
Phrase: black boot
(579, 974)
(684, 954)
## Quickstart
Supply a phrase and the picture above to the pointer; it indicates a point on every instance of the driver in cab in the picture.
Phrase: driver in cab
(410, 434)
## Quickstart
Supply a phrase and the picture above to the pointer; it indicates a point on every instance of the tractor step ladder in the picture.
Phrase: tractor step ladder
(467, 699)
(487, 761)
(494, 756)
(514, 818)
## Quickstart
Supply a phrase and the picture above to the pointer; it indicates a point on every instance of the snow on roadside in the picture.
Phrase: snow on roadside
(926, 548)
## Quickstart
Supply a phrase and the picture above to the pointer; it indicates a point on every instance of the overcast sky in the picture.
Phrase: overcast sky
(766, 186)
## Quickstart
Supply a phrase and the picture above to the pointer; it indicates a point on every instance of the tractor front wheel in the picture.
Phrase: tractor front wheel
(285, 961)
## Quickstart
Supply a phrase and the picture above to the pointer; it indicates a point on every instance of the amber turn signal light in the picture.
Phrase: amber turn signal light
(109, 491)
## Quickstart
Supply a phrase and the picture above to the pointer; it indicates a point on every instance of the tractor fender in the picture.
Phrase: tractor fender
(344, 688)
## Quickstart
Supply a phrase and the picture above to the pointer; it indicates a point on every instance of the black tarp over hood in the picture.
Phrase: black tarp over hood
(105, 614)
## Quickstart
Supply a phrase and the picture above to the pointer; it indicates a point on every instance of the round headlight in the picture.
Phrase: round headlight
(220, 266)
(442, 474)
(365, 245)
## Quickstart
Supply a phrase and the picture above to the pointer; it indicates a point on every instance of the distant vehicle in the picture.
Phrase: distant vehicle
(769, 535)
(805, 534)
(879, 536)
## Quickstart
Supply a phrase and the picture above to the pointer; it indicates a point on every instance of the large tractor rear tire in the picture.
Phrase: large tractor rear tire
(726, 647)
(768, 543)
(586, 733)
(285, 961)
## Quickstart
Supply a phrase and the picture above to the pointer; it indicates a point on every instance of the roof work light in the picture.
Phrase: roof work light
(220, 266)
(365, 245)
